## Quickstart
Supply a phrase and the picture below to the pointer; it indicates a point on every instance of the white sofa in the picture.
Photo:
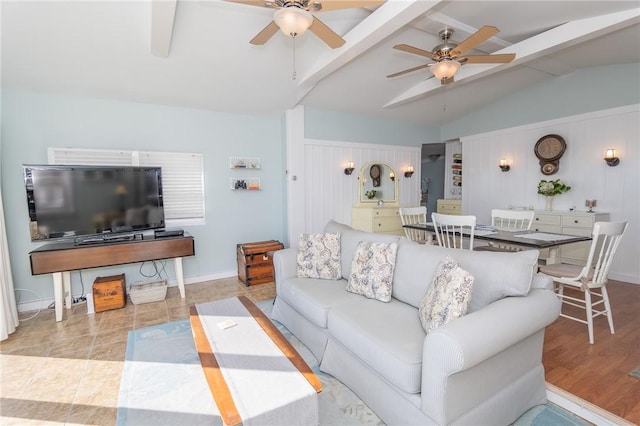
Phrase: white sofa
(483, 368)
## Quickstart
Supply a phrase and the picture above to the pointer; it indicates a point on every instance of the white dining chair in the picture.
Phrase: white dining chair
(590, 279)
(453, 230)
(412, 216)
(510, 221)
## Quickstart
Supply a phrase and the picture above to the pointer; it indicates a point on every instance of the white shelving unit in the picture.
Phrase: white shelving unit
(245, 184)
(244, 163)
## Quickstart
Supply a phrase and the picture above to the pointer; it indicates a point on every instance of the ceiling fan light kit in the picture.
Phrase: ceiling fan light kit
(292, 20)
(445, 69)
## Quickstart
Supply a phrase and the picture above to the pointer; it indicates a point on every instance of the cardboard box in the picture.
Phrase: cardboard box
(109, 293)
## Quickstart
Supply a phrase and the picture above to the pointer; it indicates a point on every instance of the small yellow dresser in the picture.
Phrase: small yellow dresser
(384, 220)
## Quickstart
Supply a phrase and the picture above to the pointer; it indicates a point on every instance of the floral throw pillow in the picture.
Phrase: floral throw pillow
(319, 256)
(372, 270)
(448, 296)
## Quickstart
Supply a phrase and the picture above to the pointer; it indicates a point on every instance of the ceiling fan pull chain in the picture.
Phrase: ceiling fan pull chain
(293, 76)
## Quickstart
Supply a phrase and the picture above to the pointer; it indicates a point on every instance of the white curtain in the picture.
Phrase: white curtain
(8, 309)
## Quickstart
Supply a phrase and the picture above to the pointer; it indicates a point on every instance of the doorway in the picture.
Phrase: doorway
(432, 172)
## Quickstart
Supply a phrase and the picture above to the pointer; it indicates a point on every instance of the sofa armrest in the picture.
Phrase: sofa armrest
(542, 281)
(468, 341)
(285, 264)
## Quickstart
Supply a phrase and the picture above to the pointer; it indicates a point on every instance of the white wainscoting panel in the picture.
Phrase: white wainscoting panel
(582, 167)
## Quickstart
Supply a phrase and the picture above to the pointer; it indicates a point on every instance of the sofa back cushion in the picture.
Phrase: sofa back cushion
(496, 274)
(349, 240)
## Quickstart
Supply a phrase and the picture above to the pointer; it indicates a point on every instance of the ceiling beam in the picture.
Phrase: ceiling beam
(163, 13)
(384, 21)
(551, 41)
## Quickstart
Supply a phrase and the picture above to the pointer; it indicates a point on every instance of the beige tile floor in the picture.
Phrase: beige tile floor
(69, 372)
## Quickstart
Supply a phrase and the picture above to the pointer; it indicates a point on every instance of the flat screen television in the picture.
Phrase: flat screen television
(79, 201)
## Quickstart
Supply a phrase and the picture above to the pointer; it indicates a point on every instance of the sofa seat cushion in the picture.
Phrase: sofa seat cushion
(388, 337)
(313, 297)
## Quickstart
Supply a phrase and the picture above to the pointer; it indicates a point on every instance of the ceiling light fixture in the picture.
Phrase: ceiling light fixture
(446, 68)
(292, 20)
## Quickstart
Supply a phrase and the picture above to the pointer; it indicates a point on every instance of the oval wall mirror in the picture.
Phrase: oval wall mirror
(378, 182)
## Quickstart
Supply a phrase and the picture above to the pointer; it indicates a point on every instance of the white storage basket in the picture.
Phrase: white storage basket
(148, 291)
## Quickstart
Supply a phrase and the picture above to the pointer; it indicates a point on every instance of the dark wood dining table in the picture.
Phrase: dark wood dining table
(523, 240)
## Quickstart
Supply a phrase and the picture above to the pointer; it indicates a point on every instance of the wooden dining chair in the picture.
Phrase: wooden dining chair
(453, 230)
(412, 216)
(510, 221)
(590, 279)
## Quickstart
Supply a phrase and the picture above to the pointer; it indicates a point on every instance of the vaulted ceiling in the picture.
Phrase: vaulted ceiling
(197, 53)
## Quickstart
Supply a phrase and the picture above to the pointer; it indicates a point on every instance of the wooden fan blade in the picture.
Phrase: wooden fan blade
(260, 3)
(415, 50)
(483, 34)
(490, 59)
(408, 71)
(327, 5)
(326, 34)
(263, 36)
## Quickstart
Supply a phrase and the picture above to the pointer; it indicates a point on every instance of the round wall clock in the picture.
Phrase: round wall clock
(549, 149)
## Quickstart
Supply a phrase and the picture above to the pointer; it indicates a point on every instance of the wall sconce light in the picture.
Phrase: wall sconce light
(349, 169)
(611, 159)
(392, 176)
(409, 172)
(504, 165)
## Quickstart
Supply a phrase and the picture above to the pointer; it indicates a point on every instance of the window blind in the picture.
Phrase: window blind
(182, 176)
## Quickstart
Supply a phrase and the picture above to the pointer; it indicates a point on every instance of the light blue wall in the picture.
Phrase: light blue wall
(33, 122)
(336, 126)
(586, 90)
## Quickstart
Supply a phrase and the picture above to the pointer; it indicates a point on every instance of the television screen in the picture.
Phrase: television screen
(71, 201)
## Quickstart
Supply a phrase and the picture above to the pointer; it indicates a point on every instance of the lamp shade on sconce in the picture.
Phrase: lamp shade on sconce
(504, 165)
(409, 172)
(610, 157)
(349, 169)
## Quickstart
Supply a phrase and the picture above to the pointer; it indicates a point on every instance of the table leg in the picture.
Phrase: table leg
(178, 265)
(66, 283)
(553, 256)
(58, 294)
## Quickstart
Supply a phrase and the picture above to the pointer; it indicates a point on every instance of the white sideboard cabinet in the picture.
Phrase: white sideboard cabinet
(570, 223)
(385, 220)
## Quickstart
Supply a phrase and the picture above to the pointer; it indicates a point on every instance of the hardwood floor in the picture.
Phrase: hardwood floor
(599, 373)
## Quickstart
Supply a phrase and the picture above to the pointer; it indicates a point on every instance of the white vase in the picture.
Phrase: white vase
(549, 206)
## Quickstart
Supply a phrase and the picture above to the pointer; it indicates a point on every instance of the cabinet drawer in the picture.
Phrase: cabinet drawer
(546, 228)
(580, 232)
(386, 224)
(386, 213)
(547, 219)
(577, 221)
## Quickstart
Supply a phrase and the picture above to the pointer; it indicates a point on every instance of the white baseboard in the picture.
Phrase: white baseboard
(43, 304)
(584, 409)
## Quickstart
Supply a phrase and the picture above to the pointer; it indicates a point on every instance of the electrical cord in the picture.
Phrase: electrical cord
(157, 272)
(39, 302)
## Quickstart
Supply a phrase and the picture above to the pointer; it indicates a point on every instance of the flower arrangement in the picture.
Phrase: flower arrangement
(370, 194)
(552, 187)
